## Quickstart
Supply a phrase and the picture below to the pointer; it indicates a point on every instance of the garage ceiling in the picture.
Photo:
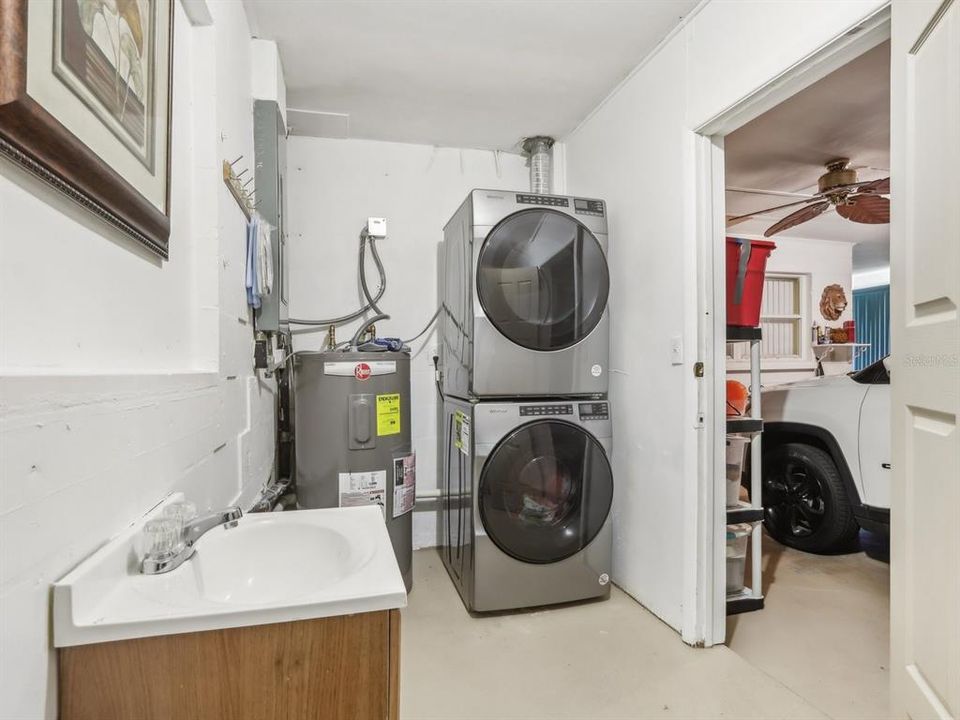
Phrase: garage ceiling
(475, 74)
(782, 152)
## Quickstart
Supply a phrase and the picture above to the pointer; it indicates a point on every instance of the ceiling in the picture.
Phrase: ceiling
(777, 158)
(471, 73)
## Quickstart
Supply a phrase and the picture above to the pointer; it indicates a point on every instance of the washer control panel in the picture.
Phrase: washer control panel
(545, 410)
(594, 411)
(588, 207)
(543, 200)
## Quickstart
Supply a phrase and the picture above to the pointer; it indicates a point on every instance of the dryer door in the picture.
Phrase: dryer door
(545, 491)
(542, 279)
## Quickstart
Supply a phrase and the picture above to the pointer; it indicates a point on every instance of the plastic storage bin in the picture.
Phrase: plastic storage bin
(746, 265)
(736, 452)
(737, 537)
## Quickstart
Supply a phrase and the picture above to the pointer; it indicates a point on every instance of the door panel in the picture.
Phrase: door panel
(925, 334)
(545, 491)
(542, 279)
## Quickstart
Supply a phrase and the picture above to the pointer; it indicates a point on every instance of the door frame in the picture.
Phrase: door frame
(710, 225)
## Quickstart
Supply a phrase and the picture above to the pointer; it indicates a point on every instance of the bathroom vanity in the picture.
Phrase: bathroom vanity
(338, 668)
(289, 615)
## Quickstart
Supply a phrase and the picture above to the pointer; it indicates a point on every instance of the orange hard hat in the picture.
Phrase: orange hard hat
(737, 398)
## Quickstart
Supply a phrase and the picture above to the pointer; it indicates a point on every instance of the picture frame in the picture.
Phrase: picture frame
(85, 105)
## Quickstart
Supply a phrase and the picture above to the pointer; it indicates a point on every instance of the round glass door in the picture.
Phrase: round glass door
(545, 491)
(542, 279)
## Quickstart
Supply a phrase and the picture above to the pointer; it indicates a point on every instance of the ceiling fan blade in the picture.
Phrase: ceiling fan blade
(868, 208)
(795, 218)
(740, 218)
(880, 187)
(731, 220)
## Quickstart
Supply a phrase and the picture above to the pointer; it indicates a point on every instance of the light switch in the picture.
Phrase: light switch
(676, 350)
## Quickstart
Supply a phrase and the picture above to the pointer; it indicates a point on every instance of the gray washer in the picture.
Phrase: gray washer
(525, 495)
(336, 424)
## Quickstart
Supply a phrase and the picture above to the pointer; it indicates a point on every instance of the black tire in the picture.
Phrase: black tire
(805, 504)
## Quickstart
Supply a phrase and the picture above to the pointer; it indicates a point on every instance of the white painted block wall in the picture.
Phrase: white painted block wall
(123, 378)
(333, 187)
(637, 152)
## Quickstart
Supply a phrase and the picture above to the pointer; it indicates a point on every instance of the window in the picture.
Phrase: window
(783, 318)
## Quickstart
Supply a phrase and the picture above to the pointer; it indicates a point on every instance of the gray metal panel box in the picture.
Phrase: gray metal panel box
(352, 419)
(270, 149)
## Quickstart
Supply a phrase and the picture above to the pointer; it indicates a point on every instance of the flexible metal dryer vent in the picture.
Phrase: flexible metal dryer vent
(539, 150)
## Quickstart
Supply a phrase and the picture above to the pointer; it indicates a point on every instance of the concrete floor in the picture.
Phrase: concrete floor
(810, 654)
(585, 661)
(824, 632)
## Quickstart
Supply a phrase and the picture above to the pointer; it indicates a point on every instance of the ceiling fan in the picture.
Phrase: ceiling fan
(861, 202)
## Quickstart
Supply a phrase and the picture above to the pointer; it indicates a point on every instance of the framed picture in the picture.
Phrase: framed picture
(85, 96)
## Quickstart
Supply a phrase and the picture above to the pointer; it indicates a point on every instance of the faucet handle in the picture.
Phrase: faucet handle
(164, 536)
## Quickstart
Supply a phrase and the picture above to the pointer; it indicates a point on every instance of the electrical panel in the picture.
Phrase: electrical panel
(270, 151)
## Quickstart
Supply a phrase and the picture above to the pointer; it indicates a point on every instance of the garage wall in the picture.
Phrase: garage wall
(823, 262)
(333, 187)
(123, 378)
(637, 152)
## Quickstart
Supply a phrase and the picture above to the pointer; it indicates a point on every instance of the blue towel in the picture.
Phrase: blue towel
(253, 298)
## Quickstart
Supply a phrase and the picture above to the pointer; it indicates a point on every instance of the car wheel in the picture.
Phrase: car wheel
(805, 504)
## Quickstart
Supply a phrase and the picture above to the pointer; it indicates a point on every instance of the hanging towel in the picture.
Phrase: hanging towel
(265, 252)
(259, 274)
(250, 276)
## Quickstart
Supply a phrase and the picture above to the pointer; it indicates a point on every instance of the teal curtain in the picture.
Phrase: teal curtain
(871, 313)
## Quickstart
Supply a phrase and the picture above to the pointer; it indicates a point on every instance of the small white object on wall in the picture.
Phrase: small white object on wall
(676, 350)
(377, 227)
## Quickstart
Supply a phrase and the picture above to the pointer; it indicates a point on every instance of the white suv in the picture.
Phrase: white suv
(826, 459)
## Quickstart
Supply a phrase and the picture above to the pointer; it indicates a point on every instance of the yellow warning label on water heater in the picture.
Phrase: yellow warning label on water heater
(388, 414)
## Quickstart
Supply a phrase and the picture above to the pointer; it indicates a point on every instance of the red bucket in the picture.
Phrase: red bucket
(746, 265)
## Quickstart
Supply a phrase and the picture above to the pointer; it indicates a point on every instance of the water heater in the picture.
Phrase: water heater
(352, 424)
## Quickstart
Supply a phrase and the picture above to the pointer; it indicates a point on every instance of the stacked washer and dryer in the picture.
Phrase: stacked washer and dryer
(525, 433)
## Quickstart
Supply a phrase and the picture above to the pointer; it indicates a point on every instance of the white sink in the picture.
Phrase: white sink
(269, 558)
(271, 567)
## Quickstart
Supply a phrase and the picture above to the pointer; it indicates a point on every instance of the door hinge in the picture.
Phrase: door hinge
(698, 369)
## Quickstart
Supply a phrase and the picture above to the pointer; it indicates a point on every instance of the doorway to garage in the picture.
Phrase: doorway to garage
(805, 507)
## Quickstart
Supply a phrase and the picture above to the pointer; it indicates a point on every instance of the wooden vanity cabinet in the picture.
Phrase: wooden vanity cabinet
(338, 668)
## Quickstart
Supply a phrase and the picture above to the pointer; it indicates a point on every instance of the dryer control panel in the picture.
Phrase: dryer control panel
(581, 206)
(554, 200)
(594, 411)
(588, 207)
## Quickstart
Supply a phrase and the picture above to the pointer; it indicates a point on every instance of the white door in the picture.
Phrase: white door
(925, 295)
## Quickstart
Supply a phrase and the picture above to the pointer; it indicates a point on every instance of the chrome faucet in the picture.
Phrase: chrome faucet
(167, 559)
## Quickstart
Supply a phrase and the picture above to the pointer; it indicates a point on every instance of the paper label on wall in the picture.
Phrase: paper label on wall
(404, 484)
(363, 488)
(388, 414)
(461, 430)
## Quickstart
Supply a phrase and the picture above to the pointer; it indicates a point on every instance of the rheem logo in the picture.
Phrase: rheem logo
(361, 371)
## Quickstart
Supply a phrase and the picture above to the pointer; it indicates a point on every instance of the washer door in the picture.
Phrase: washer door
(545, 491)
(542, 279)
